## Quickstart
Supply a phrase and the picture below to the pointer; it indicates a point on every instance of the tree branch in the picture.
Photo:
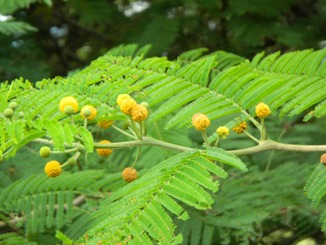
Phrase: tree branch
(264, 145)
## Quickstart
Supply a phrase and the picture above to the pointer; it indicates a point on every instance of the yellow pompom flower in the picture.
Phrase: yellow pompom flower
(104, 151)
(105, 123)
(222, 132)
(240, 128)
(262, 110)
(122, 97)
(129, 174)
(323, 159)
(88, 112)
(127, 105)
(68, 101)
(200, 121)
(53, 169)
(139, 113)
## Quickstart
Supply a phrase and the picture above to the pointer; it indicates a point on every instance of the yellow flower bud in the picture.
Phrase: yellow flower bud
(222, 132)
(262, 110)
(122, 97)
(240, 128)
(323, 159)
(104, 151)
(68, 101)
(127, 105)
(53, 169)
(89, 112)
(200, 121)
(105, 123)
(129, 174)
(139, 113)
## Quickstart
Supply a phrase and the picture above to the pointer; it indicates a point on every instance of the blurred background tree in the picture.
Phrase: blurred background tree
(45, 38)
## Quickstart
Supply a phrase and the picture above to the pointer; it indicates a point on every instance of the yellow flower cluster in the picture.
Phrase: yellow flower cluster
(105, 123)
(88, 112)
(200, 121)
(240, 128)
(139, 113)
(122, 97)
(262, 110)
(129, 106)
(53, 169)
(129, 174)
(104, 151)
(222, 132)
(68, 101)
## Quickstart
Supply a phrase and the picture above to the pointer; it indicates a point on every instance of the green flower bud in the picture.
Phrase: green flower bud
(145, 104)
(21, 115)
(72, 162)
(86, 112)
(45, 151)
(80, 148)
(13, 105)
(8, 112)
(69, 110)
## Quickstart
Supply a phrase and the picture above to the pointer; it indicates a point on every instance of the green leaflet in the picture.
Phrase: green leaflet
(14, 27)
(225, 157)
(145, 201)
(315, 189)
(12, 238)
(8, 7)
(56, 132)
(87, 139)
(48, 202)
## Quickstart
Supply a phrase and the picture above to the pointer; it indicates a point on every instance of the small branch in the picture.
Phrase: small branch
(145, 141)
(123, 132)
(267, 145)
(264, 145)
(251, 137)
(137, 156)
(204, 135)
(50, 142)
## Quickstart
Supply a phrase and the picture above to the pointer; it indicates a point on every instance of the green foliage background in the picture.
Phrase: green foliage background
(69, 34)
(265, 205)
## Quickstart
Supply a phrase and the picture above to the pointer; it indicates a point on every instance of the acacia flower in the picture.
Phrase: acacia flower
(105, 123)
(88, 112)
(129, 174)
(262, 110)
(68, 101)
(200, 121)
(53, 169)
(122, 97)
(222, 132)
(323, 159)
(104, 151)
(139, 113)
(127, 105)
(240, 128)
